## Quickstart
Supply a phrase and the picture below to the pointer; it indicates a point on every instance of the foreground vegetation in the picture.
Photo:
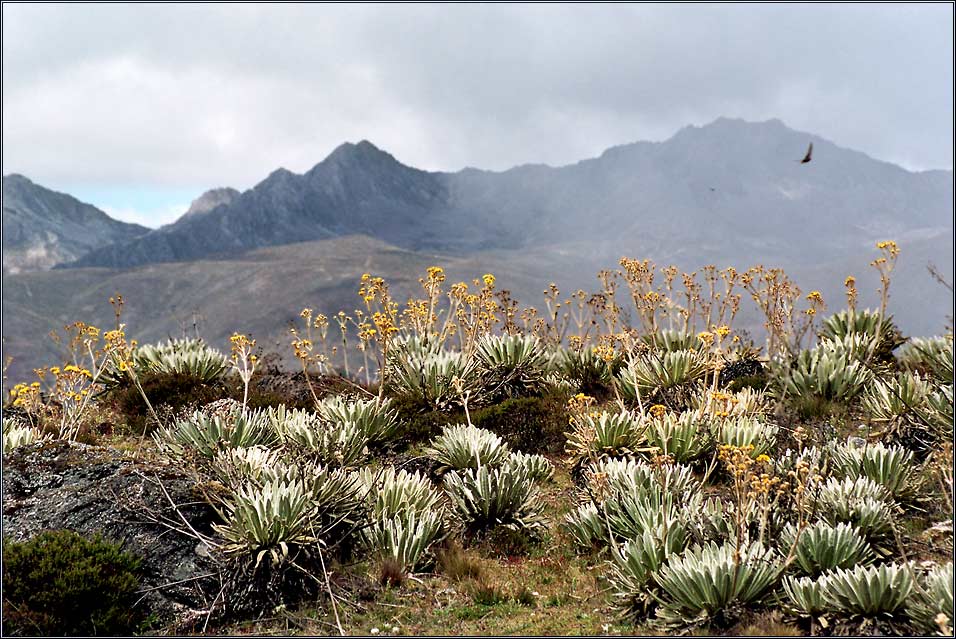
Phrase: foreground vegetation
(621, 462)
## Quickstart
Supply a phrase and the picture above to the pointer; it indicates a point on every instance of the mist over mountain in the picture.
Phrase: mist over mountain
(733, 187)
(42, 228)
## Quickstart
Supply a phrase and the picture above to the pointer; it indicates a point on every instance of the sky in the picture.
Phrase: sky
(140, 108)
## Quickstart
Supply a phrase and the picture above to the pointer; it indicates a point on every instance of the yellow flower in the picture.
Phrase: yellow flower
(763, 458)
(488, 279)
(850, 281)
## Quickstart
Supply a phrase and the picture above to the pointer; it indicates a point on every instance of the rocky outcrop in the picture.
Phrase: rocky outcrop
(90, 490)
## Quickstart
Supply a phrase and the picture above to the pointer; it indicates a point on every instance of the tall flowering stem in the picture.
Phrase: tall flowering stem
(243, 362)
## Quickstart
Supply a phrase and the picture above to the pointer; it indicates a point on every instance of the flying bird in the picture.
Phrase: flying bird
(806, 158)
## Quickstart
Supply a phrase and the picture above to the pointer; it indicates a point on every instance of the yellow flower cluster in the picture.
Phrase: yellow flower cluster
(26, 396)
(657, 410)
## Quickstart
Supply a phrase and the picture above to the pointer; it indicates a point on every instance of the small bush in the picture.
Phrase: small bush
(527, 424)
(167, 392)
(463, 446)
(60, 583)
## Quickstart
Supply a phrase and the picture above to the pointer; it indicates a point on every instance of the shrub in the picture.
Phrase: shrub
(490, 497)
(462, 446)
(510, 366)
(669, 378)
(60, 583)
(527, 424)
(705, 580)
(174, 392)
(236, 466)
(823, 547)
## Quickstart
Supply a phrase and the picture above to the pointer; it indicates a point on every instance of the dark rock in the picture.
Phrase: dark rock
(89, 489)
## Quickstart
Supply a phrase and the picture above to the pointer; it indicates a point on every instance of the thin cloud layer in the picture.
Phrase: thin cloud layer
(197, 96)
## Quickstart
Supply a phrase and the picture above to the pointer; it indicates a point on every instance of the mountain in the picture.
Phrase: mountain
(730, 193)
(732, 187)
(210, 200)
(42, 227)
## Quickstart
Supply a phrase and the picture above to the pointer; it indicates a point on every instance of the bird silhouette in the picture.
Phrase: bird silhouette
(806, 158)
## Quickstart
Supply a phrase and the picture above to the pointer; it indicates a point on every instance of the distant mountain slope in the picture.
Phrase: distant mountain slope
(42, 227)
(261, 291)
(731, 184)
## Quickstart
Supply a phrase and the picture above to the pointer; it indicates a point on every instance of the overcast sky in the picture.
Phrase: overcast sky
(139, 108)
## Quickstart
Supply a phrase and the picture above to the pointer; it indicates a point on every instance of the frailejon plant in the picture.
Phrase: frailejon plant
(892, 467)
(430, 378)
(869, 590)
(16, 435)
(879, 334)
(339, 444)
(463, 446)
(931, 606)
(377, 420)
(404, 540)
(827, 371)
(604, 434)
(489, 497)
(821, 547)
(745, 431)
(208, 434)
(269, 519)
(537, 467)
(234, 467)
(634, 565)
(684, 436)
(397, 493)
(704, 581)
(668, 377)
(898, 400)
(632, 476)
(932, 355)
(861, 502)
(511, 365)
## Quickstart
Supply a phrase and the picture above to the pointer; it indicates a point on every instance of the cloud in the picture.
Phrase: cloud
(197, 96)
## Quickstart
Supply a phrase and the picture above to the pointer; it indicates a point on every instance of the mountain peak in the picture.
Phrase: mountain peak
(362, 152)
(210, 200)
